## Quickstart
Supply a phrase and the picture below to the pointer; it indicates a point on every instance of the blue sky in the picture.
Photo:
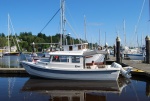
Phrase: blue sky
(104, 15)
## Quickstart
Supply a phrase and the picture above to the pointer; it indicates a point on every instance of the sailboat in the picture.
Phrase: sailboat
(8, 49)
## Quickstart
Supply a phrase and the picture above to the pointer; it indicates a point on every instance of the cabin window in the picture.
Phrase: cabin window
(60, 58)
(64, 58)
(84, 46)
(70, 48)
(75, 59)
(79, 47)
(55, 58)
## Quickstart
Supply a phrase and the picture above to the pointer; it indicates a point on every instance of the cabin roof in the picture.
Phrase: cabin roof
(81, 53)
(66, 53)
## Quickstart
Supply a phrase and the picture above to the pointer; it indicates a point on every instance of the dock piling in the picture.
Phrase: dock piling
(114, 50)
(147, 39)
(118, 50)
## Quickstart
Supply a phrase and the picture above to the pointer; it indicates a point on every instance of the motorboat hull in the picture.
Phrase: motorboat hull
(71, 74)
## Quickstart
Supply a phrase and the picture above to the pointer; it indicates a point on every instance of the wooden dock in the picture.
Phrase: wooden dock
(12, 71)
(139, 67)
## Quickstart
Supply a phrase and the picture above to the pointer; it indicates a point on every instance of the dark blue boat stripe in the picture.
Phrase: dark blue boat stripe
(135, 54)
(69, 72)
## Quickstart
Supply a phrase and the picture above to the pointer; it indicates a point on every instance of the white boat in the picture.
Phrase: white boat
(75, 65)
(136, 56)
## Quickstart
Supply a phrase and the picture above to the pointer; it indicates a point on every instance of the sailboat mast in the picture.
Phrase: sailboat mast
(8, 34)
(105, 40)
(85, 27)
(124, 33)
(149, 13)
(99, 37)
(149, 10)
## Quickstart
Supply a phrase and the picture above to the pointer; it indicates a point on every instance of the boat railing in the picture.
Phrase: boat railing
(41, 62)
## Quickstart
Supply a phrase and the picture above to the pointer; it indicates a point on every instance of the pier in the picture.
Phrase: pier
(139, 67)
(12, 71)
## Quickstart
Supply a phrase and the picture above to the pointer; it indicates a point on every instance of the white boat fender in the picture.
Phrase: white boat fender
(125, 73)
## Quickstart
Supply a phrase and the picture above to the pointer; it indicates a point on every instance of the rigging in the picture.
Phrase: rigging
(50, 19)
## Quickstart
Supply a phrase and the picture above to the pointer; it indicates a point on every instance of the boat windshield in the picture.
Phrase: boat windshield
(61, 58)
(75, 59)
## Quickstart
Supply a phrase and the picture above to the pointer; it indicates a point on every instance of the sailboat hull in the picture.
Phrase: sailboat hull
(11, 54)
(135, 56)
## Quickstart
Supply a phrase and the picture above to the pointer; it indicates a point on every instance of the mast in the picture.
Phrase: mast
(8, 34)
(124, 33)
(63, 21)
(149, 13)
(18, 47)
(105, 40)
(99, 37)
(61, 24)
(85, 27)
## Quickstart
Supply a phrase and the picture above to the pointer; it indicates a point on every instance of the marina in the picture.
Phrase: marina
(19, 83)
(49, 59)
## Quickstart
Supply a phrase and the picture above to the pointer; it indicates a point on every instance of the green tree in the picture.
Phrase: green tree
(3, 41)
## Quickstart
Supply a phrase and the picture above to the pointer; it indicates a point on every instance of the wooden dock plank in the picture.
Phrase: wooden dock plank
(12, 70)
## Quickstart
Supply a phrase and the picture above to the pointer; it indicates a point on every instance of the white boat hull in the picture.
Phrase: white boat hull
(135, 56)
(71, 74)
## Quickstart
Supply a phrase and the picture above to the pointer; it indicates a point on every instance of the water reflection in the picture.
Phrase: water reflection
(22, 88)
(146, 80)
(62, 90)
(148, 89)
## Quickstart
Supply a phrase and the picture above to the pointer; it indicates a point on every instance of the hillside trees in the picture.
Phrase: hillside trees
(26, 39)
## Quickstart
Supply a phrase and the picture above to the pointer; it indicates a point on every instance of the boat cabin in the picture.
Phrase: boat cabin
(73, 59)
(75, 47)
(67, 59)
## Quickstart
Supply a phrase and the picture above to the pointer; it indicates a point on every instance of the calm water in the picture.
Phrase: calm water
(37, 89)
(25, 88)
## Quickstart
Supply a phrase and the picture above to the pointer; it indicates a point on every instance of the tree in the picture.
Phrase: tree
(2, 35)
(3, 41)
